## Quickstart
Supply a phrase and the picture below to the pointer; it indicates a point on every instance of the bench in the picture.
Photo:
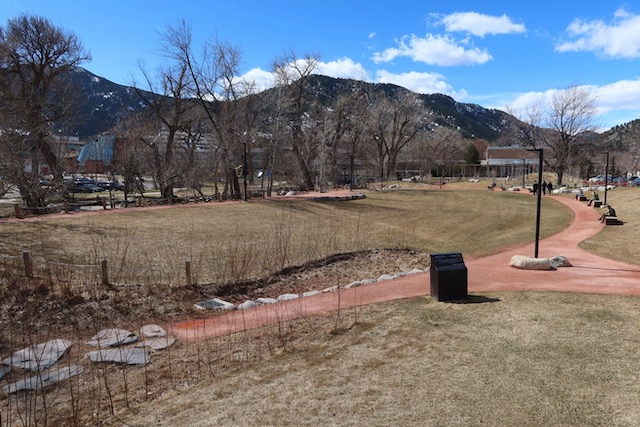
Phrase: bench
(612, 220)
(582, 198)
(597, 203)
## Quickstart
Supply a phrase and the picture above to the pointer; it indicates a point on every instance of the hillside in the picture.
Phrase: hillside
(107, 102)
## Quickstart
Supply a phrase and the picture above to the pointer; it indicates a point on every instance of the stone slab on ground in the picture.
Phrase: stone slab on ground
(311, 293)
(40, 356)
(4, 369)
(129, 356)
(112, 337)
(247, 305)
(158, 343)
(153, 331)
(44, 379)
(262, 301)
(214, 304)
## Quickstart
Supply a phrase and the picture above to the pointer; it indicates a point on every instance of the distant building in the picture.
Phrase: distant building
(509, 160)
(97, 156)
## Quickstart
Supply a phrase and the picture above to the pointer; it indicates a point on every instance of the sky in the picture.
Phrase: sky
(498, 54)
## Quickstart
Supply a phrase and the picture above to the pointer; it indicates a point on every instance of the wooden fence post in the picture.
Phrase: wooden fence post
(28, 266)
(17, 211)
(104, 203)
(105, 273)
(187, 268)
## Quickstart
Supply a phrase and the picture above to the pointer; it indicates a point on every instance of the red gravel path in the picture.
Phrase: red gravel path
(590, 274)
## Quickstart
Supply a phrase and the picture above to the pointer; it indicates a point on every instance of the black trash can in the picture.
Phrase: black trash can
(448, 276)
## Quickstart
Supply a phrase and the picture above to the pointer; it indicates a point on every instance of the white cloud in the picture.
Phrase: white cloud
(617, 102)
(420, 83)
(433, 50)
(480, 25)
(621, 95)
(344, 68)
(521, 102)
(261, 79)
(620, 39)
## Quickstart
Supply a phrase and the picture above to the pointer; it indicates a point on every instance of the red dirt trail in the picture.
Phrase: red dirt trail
(590, 274)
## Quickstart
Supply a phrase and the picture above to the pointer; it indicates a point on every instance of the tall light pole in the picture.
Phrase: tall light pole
(606, 177)
(539, 194)
(244, 171)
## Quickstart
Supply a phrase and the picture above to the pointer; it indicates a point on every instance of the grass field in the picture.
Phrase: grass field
(235, 241)
(529, 359)
(526, 359)
(620, 242)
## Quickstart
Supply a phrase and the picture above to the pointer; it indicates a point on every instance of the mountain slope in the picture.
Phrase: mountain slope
(106, 103)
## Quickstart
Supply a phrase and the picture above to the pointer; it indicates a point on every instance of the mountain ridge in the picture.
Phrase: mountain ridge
(106, 103)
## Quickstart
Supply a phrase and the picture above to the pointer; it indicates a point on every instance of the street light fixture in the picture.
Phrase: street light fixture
(539, 194)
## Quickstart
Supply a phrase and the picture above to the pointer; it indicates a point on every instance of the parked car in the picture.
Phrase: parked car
(111, 185)
(84, 187)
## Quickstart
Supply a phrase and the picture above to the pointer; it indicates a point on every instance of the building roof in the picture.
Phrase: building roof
(101, 150)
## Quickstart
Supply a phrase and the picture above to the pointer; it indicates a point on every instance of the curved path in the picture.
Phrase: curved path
(590, 274)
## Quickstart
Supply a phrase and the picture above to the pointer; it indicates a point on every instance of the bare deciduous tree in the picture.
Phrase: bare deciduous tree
(169, 98)
(292, 74)
(437, 148)
(223, 99)
(572, 112)
(35, 59)
(393, 124)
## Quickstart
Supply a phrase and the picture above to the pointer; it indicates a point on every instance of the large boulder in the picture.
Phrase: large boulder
(530, 263)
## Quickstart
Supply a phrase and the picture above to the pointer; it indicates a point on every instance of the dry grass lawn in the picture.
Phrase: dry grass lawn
(235, 241)
(620, 242)
(525, 359)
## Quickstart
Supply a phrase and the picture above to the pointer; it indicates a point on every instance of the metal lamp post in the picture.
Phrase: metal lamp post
(244, 171)
(606, 177)
(539, 194)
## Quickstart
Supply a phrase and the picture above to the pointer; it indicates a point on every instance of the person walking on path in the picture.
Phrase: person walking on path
(544, 187)
(549, 187)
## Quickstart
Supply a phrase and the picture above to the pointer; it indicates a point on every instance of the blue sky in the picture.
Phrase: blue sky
(497, 54)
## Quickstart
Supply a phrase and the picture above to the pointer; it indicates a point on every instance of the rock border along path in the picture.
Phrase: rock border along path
(590, 274)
